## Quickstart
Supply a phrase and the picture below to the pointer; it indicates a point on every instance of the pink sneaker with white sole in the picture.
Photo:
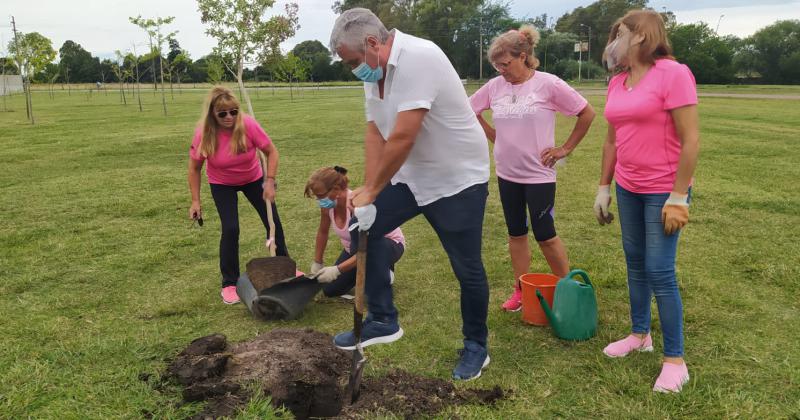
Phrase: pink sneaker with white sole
(672, 378)
(229, 295)
(628, 344)
(514, 302)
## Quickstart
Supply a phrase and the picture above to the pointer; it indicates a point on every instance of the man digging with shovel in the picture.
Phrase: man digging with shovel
(423, 137)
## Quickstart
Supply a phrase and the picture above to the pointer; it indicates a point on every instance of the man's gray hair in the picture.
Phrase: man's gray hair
(352, 28)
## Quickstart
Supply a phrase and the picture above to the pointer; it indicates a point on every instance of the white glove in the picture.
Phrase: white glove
(601, 203)
(366, 217)
(327, 274)
(315, 266)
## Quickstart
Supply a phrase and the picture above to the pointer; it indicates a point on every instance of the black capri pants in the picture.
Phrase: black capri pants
(539, 200)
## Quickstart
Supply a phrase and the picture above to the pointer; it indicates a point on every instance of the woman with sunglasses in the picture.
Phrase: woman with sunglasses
(524, 102)
(651, 152)
(330, 187)
(228, 140)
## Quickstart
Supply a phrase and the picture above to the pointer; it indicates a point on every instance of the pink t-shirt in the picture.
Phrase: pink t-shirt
(524, 117)
(344, 233)
(648, 147)
(227, 169)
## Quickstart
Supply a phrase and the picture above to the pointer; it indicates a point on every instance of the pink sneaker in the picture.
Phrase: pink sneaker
(628, 344)
(513, 303)
(672, 378)
(229, 296)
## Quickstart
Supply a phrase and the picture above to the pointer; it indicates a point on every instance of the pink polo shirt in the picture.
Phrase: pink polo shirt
(524, 117)
(648, 147)
(228, 169)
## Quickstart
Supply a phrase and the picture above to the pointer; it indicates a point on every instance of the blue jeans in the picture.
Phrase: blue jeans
(650, 257)
(458, 221)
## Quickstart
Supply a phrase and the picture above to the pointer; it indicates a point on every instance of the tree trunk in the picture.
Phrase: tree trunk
(122, 92)
(163, 94)
(138, 88)
(30, 101)
(242, 89)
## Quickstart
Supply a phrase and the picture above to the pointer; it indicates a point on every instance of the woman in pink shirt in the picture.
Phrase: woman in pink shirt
(330, 187)
(524, 102)
(651, 150)
(228, 139)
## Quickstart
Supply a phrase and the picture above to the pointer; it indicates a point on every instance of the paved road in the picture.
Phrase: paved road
(602, 92)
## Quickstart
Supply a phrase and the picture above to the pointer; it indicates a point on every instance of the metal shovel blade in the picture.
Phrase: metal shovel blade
(357, 368)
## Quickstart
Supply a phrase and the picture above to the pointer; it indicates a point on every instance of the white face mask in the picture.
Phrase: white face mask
(616, 51)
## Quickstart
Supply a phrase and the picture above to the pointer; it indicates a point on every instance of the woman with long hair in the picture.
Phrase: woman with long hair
(228, 140)
(651, 152)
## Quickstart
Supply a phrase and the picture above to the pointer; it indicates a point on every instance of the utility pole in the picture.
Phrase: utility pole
(480, 54)
(25, 85)
(589, 51)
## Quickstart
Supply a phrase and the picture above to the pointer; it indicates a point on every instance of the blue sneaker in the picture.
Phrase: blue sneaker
(372, 332)
(474, 357)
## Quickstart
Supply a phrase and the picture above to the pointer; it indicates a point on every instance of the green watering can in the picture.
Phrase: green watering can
(574, 312)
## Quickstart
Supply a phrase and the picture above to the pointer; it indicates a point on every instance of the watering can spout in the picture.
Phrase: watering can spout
(547, 310)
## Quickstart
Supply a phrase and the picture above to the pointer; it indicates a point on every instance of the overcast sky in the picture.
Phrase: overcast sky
(101, 26)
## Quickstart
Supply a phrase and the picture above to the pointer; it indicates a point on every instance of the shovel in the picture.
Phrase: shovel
(354, 386)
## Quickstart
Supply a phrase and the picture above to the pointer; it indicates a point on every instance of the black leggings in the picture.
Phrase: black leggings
(539, 199)
(227, 202)
(347, 280)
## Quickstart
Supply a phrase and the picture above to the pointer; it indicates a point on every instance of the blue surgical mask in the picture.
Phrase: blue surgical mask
(326, 203)
(367, 73)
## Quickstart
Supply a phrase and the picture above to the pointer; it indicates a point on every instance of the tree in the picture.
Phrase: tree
(132, 61)
(8, 66)
(180, 65)
(76, 63)
(708, 56)
(242, 34)
(214, 69)
(597, 17)
(118, 67)
(776, 46)
(291, 69)
(458, 27)
(154, 29)
(317, 59)
(32, 52)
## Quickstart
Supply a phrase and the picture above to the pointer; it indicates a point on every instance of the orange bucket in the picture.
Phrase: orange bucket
(532, 311)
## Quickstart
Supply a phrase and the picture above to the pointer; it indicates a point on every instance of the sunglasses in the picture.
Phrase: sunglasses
(223, 114)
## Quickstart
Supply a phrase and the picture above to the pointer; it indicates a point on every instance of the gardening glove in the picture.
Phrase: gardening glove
(601, 203)
(327, 274)
(366, 217)
(675, 213)
(315, 266)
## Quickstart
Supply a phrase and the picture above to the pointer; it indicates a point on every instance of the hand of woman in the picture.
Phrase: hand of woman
(551, 155)
(269, 190)
(195, 211)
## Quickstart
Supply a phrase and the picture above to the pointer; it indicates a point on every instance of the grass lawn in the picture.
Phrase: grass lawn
(102, 277)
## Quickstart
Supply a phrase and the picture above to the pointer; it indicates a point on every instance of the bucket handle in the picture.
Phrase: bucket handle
(580, 272)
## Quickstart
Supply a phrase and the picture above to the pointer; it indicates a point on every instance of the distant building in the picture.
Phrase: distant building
(10, 84)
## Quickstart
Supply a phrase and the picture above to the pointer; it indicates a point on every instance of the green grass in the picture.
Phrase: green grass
(102, 278)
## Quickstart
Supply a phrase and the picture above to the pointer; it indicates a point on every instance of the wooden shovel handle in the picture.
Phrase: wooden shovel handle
(361, 269)
(270, 220)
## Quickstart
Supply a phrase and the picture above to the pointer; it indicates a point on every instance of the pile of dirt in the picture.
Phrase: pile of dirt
(413, 396)
(303, 371)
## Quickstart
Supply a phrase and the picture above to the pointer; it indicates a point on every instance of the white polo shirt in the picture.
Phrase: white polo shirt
(450, 152)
